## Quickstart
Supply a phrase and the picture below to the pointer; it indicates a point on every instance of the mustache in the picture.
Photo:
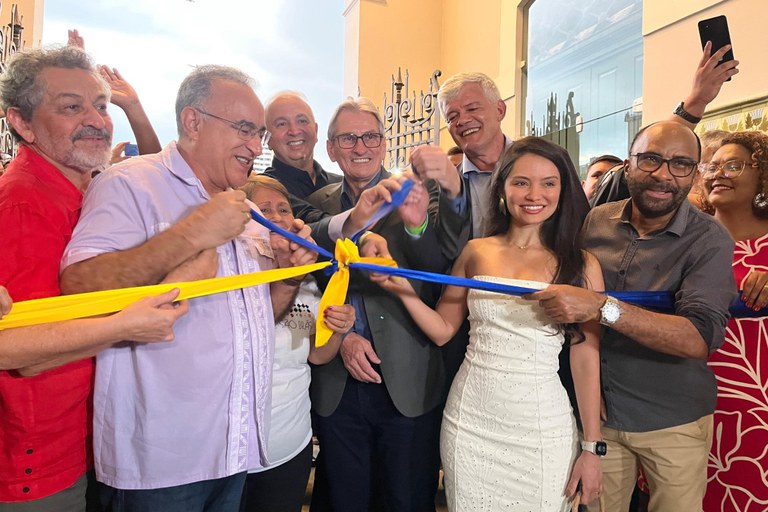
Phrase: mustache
(660, 187)
(90, 131)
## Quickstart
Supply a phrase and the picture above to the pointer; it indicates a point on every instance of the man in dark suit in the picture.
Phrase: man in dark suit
(377, 402)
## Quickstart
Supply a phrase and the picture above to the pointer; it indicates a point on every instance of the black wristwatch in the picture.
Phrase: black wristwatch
(599, 448)
(680, 111)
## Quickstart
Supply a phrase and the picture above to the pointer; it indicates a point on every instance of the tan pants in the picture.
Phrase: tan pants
(675, 464)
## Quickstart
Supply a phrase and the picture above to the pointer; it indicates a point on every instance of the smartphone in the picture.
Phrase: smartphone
(716, 30)
(131, 150)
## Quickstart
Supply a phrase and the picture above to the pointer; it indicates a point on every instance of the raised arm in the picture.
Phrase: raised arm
(707, 81)
(125, 97)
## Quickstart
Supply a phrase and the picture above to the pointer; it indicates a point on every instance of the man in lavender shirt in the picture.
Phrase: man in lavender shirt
(175, 429)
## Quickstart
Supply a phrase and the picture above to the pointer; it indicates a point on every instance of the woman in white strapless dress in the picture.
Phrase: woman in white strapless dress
(509, 440)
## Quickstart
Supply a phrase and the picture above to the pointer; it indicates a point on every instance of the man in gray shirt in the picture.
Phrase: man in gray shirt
(659, 393)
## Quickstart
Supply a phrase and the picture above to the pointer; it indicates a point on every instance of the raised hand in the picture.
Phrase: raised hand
(117, 153)
(431, 162)
(123, 93)
(413, 211)
(708, 79)
(75, 39)
(217, 221)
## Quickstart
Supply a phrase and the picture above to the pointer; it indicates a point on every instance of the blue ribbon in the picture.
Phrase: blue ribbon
(660, 301)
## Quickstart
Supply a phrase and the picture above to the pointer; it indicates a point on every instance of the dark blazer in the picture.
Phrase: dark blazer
(411, 365)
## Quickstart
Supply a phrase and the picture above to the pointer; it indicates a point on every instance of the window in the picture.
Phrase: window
(590, 51)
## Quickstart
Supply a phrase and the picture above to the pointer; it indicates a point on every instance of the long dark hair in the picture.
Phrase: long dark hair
(560, 233)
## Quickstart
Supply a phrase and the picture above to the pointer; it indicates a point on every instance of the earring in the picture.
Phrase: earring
(503, 207)
(760, 201)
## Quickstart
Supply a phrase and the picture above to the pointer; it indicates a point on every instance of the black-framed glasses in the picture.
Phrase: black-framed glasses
(728, 169)
(679, 167)
(245, 130)
(349, 140)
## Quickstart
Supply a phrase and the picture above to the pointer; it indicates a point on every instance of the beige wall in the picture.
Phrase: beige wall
(490, 36)
(32, 12)
(424, 35)
(672, 50)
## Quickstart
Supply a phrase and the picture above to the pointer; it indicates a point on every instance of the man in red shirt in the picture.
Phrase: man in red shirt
(56, 105)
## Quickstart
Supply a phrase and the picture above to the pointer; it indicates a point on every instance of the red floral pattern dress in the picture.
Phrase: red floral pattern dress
(737, 474)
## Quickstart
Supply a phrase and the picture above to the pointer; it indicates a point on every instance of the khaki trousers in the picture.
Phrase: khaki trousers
(674, 460)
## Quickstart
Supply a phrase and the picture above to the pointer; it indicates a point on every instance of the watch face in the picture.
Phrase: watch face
(601, 448)
(610, 312)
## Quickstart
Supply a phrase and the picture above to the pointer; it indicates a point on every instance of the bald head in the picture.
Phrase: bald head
(664, 129)
(660, 169)
(294, 130)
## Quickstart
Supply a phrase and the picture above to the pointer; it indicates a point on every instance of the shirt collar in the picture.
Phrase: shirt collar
(676, 225)
(29, 161)
(179, 167)
(345, 190)
(467, 167)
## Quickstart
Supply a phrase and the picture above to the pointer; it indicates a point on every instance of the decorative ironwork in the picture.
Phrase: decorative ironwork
(10, 43)
(410, 121)
(559, 127)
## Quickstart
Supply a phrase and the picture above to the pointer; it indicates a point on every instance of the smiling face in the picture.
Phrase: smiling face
(359, 164)
(71, 127)
(274, 205)
(294, 131)
(733, 193)
(473, 120)
(658, 194)
(222, 159)
(532, 190)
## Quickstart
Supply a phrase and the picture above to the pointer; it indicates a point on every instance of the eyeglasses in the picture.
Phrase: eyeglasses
(349, 140)
(245, 130)
(678, 167)
(729, 169)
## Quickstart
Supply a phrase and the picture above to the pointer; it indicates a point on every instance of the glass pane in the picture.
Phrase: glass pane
(585, 63)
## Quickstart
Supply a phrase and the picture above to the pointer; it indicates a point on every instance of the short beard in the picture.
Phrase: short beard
(87, 161)
(654, 208)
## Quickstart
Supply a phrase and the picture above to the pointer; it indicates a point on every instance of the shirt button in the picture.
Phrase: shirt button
(622, 272)
(25, 489)
(30, 451)
(28, 471)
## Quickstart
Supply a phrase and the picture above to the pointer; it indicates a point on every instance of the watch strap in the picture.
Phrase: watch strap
(680, 111)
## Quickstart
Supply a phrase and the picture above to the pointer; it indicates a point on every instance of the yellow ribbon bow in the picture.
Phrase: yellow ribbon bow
(346, 253)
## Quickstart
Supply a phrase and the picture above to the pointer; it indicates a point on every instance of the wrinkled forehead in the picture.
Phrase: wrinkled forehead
(72, 81)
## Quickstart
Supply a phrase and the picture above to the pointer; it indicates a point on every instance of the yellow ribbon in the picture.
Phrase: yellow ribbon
(346, 253)
(81, 305)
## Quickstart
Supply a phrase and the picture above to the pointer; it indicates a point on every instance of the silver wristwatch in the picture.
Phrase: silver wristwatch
(610, 312)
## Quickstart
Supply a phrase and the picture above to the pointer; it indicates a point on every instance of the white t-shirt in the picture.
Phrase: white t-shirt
(291, 428)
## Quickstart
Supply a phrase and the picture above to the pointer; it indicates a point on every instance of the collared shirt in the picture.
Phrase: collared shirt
(44, 420)
(297, 181)
(361, 326)
(478, 195)
(196, 408)
(645, 390)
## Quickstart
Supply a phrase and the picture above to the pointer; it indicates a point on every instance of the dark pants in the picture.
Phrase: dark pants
(366, 430)
(219, 495)
(280, 489)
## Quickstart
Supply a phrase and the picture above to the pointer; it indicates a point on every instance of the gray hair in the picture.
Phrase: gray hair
(360, 104)
(451, 88)
(21, 86)
(196, 88)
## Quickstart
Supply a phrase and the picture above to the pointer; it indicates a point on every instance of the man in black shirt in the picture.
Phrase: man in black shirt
(294, 135)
